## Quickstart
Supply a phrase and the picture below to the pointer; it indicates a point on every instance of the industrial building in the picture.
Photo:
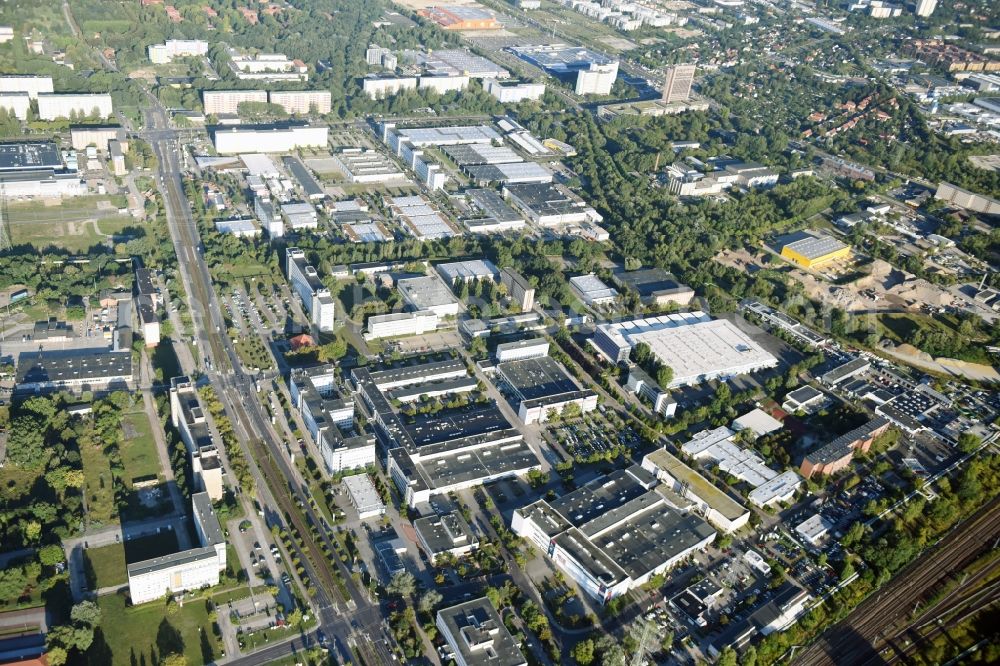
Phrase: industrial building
(978, 203)
(614, 533)
(520, 350)
(189, 418)
(758, 421)
(514, 92)
(445, 535)
(495, 215)
(805, 399)
(592, 291)
(53, 106)
(467, 271)
(697, 347)
(541, 386)
(429, 293)
(593, 73)
(474, 154)
(444, 452)
(73, 370)
(399, 324)
(241, 227)
(329, 417)
(654, 286)
(437, 136)
(519, 290)
(302, 102)
(677, 82)
(314, 294)
(837, 454)
(477, 636)
(849, 370)
(367, 166)
(161, 54)
(716, 506)
(276, 138)
(550, 205)
(191, 569)
(640, 383)
(815, 251)
(227, 102)
(299, 215)
(461, 17)
(457, 62)
(420, 218)
(513, 172)
(364, 496)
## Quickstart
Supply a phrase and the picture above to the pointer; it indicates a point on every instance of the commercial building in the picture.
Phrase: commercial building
(367, 166)
(329, 418)
(467, 271)
(696, 347)
(241, 227)
(677, 82)
(542, 387)
(592, 290)
(429, 293)
(654, 286)
(520, 350)
(29, 156)
(447, 451)
(805, 399)
(443, 84)
(400, 324)
(189, 418)
(519, 290)
(614, 533)
(277, 138)
(33, 85)
(813, 529)
(815, 251)
(16, 104)
(314, 294)
(849, 370)
(73, 370)
(758, 421)
(302, 101)
(640, 383)
(461, 17)
(716, 506)
(445, 535)
(837, 454)
(550, 205)
(965, 199)
(160, 54)
(191, 569)
(52, 106)
(219, 102)
(592, 72)
(364, 496)
(477, 636)
(379, 86)
(457, 62)
(514, 92)
(420, 218)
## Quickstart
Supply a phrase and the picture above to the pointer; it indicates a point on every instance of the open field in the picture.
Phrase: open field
(100, 485)
(105, 566)
(138, 450)
(75, 236)
(144, 634)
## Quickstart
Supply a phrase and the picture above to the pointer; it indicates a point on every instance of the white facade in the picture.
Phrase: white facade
(199, 569)
(598, 80)
(16, 103)
(302, 101)
(443, 84)
(925, 7)
(52, 106)
(512, 93)
(228, 101)
(33, 85)
(363, 496)
(235, 140)
(400, 324)
(387, 86)
(47, 184)
(160, 54)
(315, 296)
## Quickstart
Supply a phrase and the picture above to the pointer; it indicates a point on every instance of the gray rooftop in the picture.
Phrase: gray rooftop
(478, 636)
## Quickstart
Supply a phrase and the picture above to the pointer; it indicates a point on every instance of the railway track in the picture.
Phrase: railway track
(855, 639)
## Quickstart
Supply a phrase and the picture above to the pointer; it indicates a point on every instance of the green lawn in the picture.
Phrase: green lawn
(100, 485)
(105, 566)
(138, 449)
(144, 634)
(73, 234)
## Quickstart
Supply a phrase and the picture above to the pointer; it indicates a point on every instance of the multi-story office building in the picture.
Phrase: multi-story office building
(512, 93)
(52, 106)
(520, 350)
(677, 82)
(329, 417)
(269, 218)
(188, 416)
(597, 79)
(398, 324)
(314, 294)
(541, 387)
(190, 569)
(477, 636)
(385, 86)
(302, 101)
(445, 535)
(218, 102)
(518, 288)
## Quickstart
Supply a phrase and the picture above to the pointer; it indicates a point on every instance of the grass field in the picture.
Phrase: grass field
(100, 486)
(72, 234)
(138, 449)
(144, 634)
(105, 566)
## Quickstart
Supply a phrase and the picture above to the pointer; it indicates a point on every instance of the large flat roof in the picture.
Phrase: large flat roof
(442, 533)
(479, 636)
(814, 247)
(538, 377)
(72, 365)
(698, 484)
(424, 293)
(21, 155)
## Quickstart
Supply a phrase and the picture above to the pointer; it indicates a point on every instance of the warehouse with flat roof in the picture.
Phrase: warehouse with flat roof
(814, 251)
(477, 635)
(429, 293)
(541, 385)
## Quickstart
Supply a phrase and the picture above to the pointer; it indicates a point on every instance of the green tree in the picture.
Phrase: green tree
(51, 555)
(968, 442)
(727, 657)
(26, 443)
(583, 652)
(665, 375)
(429, 601)
(403, 584)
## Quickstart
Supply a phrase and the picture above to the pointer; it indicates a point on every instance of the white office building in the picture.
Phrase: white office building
(598, 79)
(228, 101)
(364, 496)
(378, 87)
(443, 84)
(512, 93)
(268, 138)
(399, 324)
(52, 106)
(314, 294)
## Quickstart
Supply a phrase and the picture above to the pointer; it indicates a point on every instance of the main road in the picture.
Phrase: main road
(355, 622)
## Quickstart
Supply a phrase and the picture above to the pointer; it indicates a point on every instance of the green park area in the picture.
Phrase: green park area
(105, 566)
(138, 448)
